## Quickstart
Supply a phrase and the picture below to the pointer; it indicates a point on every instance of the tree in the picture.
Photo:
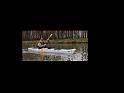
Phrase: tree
(66, 34)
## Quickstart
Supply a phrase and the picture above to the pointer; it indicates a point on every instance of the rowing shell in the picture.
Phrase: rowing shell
(46, 50)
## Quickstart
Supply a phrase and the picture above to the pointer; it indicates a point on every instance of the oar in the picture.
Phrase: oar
(49, 37)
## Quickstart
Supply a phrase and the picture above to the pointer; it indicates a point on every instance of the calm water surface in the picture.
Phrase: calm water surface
(81, 53)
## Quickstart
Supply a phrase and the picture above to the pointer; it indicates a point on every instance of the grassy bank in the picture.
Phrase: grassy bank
(60, 41)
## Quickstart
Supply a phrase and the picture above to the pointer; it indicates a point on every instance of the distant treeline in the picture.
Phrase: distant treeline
(58, 34)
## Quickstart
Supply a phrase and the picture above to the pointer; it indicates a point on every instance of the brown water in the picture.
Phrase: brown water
(81, 53)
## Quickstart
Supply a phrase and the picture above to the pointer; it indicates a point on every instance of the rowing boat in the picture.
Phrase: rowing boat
(52, 50)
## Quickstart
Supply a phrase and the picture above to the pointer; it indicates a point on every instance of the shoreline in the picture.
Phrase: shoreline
(61, 41)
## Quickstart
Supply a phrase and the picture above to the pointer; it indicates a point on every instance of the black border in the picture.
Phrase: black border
(45, 22)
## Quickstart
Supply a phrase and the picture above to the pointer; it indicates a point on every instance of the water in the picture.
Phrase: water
(81, 53)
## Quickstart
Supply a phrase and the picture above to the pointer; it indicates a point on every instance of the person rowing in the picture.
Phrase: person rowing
(42, 44)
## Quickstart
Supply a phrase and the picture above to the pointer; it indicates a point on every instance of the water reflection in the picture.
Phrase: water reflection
(81, 54)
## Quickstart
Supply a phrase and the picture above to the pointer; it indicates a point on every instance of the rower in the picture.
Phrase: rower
(41, 44)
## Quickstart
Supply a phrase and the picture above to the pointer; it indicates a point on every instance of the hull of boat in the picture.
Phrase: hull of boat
(46, 50)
